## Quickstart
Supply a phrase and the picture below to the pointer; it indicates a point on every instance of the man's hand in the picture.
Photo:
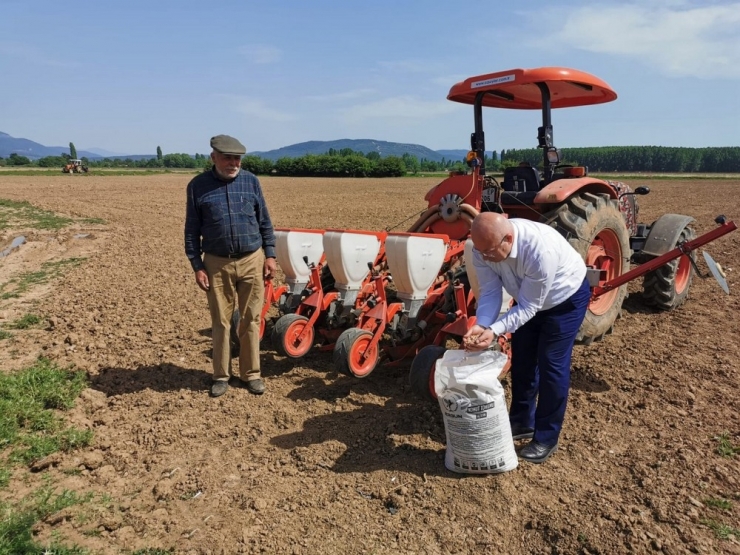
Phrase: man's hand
(478, 338)
(201, 278)
(270, 268)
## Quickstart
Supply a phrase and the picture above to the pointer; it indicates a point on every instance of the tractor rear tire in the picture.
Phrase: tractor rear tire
(421, 375)
(668, 287)
(351, 346)
(594, 226)
(285, 336)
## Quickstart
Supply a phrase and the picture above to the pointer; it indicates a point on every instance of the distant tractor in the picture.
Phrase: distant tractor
(75, 166)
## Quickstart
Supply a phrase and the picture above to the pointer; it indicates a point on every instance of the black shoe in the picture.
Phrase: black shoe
(537, 453)
(219, 387)
(521, 432)
(256, 386)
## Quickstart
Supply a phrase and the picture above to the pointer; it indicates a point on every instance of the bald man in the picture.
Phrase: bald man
(547, 278)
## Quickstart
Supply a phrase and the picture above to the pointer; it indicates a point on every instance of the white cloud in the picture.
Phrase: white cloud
(674, 37)
(398, 107)
(261, 53)
(255, 107)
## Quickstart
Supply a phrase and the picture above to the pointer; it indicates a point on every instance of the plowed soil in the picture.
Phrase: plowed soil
(322, 463)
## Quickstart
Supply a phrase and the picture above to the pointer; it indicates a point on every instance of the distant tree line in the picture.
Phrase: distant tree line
(348, 163)
(638, 158)
(335, 163)
(345, 163)
(171, 161)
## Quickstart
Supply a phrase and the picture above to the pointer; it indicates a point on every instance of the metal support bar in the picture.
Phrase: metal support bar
(655, 263)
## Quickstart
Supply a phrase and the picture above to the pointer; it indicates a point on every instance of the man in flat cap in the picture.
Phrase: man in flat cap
(227, 221)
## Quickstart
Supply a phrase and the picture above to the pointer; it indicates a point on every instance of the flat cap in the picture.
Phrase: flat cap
(227, 145)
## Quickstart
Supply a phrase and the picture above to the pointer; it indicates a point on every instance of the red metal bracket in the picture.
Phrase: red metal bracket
(655, 263)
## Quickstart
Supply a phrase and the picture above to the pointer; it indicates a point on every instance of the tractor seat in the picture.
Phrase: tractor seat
(521, 179)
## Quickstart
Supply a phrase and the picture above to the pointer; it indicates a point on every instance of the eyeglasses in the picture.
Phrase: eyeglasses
(492, 251)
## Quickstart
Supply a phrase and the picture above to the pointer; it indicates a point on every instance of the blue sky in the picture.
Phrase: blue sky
(130, 76)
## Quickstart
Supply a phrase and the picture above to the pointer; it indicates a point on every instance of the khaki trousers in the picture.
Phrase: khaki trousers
(231, 281)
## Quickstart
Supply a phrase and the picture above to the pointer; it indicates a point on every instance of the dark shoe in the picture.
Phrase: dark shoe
(537, 453)
(521, 432)
(256, 386)
(219, 387)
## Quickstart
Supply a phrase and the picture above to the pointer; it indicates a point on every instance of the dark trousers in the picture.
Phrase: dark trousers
(540, 366)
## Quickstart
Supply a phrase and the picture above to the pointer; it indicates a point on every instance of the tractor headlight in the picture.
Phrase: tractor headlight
(553, 155)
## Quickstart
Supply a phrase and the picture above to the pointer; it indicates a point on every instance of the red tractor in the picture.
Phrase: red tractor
(598, 217)
(338, 282)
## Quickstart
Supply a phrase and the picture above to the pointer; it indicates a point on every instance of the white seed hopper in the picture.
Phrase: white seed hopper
(291, 246)
(414, 260)
(348, 254)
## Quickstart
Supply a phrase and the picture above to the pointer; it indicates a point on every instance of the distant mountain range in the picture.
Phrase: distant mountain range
(34, 150)
(384, 148)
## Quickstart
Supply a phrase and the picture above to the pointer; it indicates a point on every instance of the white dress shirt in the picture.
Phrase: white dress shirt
(542, 271)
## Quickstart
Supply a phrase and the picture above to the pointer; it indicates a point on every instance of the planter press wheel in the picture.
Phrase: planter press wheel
(667, 287)
(285, 336)
(351, 355)
(421, 375)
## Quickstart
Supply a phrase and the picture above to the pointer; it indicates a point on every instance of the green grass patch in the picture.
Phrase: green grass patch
(725, 447)
(25, 322)
(25, 281)
(16, 526)
(28, 424)
(21, 212)
(4, 476)
(724, 504)
(5, 335)
(722, 531)
(93, 221)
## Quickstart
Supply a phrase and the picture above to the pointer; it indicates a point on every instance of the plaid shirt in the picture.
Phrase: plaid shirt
(229, 217)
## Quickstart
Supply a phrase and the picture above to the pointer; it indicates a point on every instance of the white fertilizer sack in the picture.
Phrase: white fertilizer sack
(474, 408)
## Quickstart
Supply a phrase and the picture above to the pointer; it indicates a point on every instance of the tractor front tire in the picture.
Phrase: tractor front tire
(421, 375)
(594, 226)
(286, 336)
(351, 355)
(668, 287)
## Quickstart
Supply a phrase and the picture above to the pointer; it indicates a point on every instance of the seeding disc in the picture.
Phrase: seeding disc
(716, 272)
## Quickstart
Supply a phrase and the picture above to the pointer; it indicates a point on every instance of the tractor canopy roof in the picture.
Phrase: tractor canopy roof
(518, 88)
